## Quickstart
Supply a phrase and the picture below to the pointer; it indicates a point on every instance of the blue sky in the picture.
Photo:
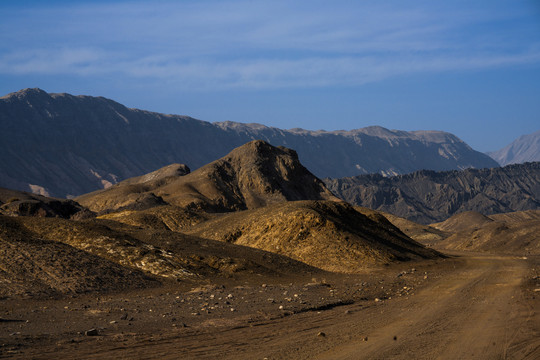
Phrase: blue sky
(471, 68)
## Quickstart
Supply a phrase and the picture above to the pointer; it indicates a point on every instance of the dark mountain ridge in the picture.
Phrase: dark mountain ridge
(429, 196)
(65, 145)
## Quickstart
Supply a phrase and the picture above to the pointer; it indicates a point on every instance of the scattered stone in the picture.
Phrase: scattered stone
(124, 317)
(280, 307)
(395, 338)
(321, 334)
(113, 322)
(91, 332)
(365, 338)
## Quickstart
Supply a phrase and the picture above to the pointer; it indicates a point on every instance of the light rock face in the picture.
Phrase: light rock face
(524, 149)
(65, 145)
(428, 196)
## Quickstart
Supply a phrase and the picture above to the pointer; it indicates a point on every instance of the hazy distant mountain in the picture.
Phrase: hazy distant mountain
(429, 196)
(523, 149)
(60, 144)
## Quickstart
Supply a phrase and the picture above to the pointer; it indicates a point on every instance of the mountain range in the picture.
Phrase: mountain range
(64, 145)
(429, 196)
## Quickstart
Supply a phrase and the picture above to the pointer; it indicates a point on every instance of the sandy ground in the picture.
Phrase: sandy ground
(470, 306)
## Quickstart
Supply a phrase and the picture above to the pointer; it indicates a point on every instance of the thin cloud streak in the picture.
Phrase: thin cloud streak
(263, 73)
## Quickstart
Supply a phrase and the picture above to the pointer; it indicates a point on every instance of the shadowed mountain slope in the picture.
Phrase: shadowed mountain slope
(251, 176)
(427, 196)
(60, 144)
(330, 235)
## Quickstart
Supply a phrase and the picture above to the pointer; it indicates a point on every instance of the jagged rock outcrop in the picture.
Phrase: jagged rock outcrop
(526, 148)
(429, 196)
(251, 176)
(64, 145)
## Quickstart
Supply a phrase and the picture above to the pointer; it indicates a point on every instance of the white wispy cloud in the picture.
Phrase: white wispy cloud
(256, 44)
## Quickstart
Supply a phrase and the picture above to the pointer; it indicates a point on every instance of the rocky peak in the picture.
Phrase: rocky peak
(27, 94)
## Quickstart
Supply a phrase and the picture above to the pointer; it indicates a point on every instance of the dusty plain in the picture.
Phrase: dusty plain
(470, 305)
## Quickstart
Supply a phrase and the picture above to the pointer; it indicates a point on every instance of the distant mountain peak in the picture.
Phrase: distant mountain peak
(526, 148)
(27, 93)
(261, 149)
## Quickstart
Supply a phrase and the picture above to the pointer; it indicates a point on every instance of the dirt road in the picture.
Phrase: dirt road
(484, 308)
(477, 313)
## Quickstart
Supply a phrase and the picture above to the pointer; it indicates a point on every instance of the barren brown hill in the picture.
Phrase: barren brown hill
(33, 266)
(20, 203)
(172, 170)
(424, 234)
(56, 256)
(515, 233)
(135, 193)
(464, 221)
(517, 216)
(165, 217)
(326, 234)
(251, 176)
